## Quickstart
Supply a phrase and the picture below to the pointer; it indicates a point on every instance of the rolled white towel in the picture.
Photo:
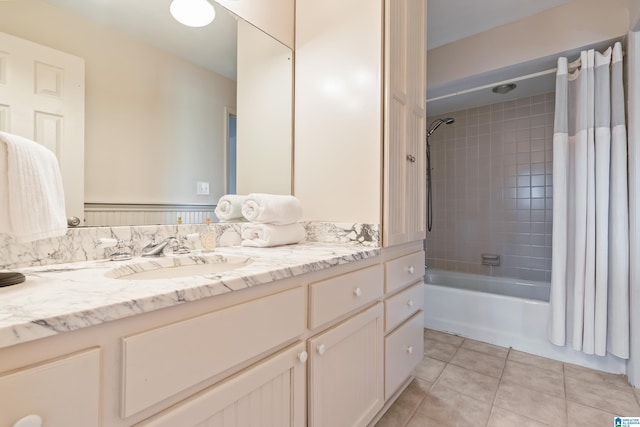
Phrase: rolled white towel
(267, 235)
(272, 209)
(229, 207)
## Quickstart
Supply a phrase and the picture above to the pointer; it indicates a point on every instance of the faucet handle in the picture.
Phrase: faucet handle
(181, 247)
(121, 254)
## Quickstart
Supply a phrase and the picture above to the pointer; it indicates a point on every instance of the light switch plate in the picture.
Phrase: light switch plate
(202, 188)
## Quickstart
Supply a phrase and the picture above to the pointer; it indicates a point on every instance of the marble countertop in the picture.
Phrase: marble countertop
(65, 297)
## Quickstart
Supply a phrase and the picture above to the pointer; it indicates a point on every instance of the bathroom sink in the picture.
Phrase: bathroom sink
(177, 267)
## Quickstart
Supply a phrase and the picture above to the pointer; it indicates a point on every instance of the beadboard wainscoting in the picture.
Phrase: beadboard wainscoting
(99, 214)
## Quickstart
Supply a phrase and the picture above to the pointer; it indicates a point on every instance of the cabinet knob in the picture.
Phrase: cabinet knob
(411, 158)
(73, 221)
(29, 421)
(322, 349)
(357, 292)
(409, 349)
(410, 303)
(303, 356)
(410, 270)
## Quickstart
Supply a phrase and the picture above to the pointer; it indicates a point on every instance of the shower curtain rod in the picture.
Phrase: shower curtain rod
(492, 85)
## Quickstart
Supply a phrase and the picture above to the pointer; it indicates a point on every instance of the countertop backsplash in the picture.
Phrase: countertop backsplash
(81, 244)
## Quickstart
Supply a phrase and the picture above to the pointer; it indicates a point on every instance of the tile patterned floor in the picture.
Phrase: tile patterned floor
(467, 383)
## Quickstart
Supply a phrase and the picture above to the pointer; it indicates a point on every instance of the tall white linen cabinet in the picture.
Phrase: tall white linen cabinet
(360, 130)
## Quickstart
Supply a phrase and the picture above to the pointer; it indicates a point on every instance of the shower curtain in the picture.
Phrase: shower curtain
(590, 243)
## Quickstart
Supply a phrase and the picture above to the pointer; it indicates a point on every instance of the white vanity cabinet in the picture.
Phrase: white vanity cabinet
(367, 338)
(328, 348)
(238, 358)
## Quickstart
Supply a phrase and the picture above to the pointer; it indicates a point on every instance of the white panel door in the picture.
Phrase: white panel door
(42, 98)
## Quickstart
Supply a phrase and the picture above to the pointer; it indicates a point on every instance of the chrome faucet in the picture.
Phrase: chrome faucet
(157, 249)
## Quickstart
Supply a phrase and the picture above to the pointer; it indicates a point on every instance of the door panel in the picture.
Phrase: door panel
(42, 98)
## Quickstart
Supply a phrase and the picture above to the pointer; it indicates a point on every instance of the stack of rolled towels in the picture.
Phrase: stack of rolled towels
(272, 219)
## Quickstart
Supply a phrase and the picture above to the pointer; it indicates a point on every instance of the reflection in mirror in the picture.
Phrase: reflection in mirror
(158, 97)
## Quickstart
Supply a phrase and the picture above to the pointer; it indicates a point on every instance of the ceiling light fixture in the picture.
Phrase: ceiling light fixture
(502, 89)
(192, 13)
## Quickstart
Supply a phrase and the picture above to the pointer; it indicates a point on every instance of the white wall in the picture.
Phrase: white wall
(634, 14)
(573, 25)
(633, 50)
(154, 123)
(338, 98)
(264, 139)
(633, 58)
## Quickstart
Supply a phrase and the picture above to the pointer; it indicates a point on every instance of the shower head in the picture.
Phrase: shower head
(437, 123)
(432, 128)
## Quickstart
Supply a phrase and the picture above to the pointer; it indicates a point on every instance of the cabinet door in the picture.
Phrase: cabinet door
(62, 392)
(271, 394)
(346, 372)
(405, 122)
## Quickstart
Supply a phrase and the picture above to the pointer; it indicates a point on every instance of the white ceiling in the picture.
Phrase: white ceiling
(214, 46)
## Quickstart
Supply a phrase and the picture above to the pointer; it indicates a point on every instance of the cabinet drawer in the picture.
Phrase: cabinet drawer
(331, 298)
(164, 361)
(404, 349)
(63, 392)
(400, 307)
(278, 383)
(402, 271)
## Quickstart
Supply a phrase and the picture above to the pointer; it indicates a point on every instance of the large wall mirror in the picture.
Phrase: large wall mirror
(162, 100)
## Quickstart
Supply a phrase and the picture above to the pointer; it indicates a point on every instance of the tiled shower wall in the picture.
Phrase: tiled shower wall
(492, 189)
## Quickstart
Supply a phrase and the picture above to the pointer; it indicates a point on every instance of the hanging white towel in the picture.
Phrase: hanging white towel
(272, 209)
(229, 208)
(31, 193)
(267, 235)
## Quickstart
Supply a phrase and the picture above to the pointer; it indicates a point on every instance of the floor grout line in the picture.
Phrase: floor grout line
(495, 396)
(415, 410)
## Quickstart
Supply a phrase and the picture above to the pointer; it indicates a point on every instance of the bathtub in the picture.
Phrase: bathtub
(506, 312)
